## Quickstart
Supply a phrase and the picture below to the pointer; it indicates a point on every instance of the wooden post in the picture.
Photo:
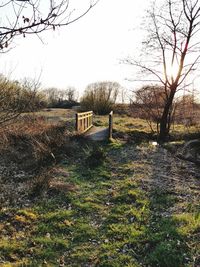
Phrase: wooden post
(77, 122)
(110, 124)
(91, 119)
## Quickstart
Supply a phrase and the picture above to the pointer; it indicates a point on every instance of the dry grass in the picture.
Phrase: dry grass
(55, 115)
(32, 139)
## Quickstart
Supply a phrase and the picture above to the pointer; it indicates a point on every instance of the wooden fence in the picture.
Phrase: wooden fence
(84, 121)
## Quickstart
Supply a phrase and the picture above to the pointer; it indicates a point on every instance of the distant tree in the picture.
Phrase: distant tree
(100, 97)
(71, 94)
(172, 45)
(51, 95)
(57, 98)
(123, 95)
(25, 17)
(187, 100)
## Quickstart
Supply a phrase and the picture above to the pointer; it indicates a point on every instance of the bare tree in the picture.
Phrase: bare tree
(51, 95)
(100, 97)
(59, 98)
(123, 94)
(174, 49)
(71, 94)
(25, 17)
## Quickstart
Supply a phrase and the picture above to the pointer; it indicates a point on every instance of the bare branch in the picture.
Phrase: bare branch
(33, 17)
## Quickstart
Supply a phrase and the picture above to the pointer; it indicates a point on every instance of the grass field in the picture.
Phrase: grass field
(119, 203)
(122, 123)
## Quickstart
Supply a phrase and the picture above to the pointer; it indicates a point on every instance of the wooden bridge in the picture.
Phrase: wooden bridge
(84, 125)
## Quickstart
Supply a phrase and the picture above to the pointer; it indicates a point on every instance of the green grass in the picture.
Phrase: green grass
(110, 219)
(139, 130)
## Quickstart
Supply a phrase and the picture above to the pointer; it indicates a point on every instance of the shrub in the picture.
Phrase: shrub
(100, 97)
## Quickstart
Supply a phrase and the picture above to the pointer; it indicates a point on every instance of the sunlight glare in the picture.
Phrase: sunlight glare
(173, 70)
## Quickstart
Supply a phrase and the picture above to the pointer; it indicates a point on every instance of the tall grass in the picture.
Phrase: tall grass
(30, 140)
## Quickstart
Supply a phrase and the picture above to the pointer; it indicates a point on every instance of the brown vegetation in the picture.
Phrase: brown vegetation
(29, 149)
(17, 97)
(31, 140)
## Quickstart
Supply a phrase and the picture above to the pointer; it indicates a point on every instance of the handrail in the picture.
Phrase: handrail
(110, 129)
(84, 121)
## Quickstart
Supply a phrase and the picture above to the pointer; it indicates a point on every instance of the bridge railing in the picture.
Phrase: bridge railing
(84, 121)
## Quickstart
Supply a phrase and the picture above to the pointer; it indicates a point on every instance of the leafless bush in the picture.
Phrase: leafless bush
(100, 97)
(148, 104)
(122, 109)
(187, 111)
(17, 97)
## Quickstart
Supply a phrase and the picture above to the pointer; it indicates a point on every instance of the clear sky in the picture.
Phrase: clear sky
(84, 52)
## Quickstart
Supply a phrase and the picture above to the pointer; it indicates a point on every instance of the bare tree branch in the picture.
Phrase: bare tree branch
(23, 17)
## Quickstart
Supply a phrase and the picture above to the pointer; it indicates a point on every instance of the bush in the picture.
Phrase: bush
(32, 141)
(100, 97)
(64, 104)
(16, 97)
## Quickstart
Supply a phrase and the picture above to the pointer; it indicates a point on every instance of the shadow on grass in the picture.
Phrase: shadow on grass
(135, 136)
(171, 232)
(166, 247)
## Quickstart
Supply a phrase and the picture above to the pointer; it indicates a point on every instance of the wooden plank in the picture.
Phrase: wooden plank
(86, 129)
(85, 113)
(83, 118)
(80, 117)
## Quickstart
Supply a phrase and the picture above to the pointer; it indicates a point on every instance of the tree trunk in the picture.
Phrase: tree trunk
(166, 119)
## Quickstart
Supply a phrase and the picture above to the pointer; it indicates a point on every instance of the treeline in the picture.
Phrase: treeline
(99, 97)
(147, 102)
(56, 98)
(17, 97)
(27, 96)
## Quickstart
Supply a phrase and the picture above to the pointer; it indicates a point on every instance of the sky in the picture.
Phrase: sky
(87, 51)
